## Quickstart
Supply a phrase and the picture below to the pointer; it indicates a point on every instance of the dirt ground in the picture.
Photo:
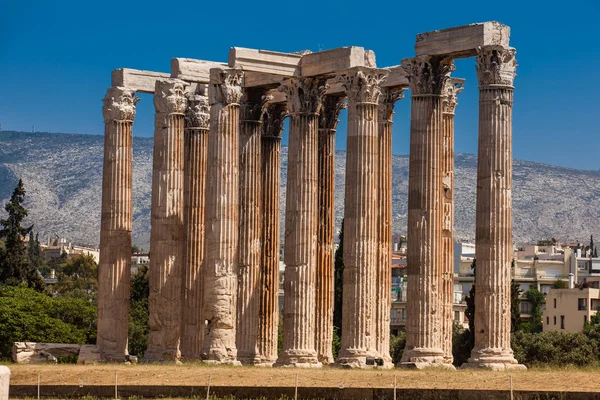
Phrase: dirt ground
(198, 374)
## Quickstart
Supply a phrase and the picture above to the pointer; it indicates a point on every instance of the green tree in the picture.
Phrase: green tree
(560, 284)
(591, 243)
(138, 312)
(536, 298)
(15, 267)
(515, 311)
(338, 287)
(36, 257)
(135, 249)
(78, 278)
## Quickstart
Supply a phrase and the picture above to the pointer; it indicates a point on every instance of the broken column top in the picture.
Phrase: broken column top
(462, 41)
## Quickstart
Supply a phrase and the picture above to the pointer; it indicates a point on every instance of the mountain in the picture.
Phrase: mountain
(62, 174)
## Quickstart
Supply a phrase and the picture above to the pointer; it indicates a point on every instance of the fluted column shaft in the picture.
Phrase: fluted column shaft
(451, 90)
(222, 217)
(268, 317)
(114, 270)
(328, 120)
(427, 76)
(383, 285)
(304, 98)
(167, 230)
(361, 239)
(250, 227)
(197, 119)
(493, 234)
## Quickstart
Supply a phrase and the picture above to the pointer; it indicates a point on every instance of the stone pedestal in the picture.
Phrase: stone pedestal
(268, 316)
(248, 302)
(496, 67)
(328, 120)
(114, 269)
(167, 234)
(361, 241)
(427, 77)
(4, 382)
(197, 119)
(451, 90)
(222, 217)
(304, 98)
(383, 281)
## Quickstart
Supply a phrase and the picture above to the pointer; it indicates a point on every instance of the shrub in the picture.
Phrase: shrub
(554, 349)
(397, 344)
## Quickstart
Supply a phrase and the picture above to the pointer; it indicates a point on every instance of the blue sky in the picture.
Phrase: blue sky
(56, 58)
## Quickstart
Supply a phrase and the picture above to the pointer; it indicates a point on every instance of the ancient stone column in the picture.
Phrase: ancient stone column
(167, 230)
(328, 120)
(361, 240)
(383, 281)
(197, 121)
(250, 227)
(114, 270)
(222, 217)
(268, 316)
(496, 67)
(427, 78)
(451, 90)
(304, 98)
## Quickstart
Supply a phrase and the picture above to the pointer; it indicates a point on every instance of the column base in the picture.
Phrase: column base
(326, 360)
(221, 356)
(493, 359)
(161, 357)
(249, 359)
(351, 358)
(421, 358)
(298, 359)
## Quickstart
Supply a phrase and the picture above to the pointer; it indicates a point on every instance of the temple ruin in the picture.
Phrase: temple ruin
(215, 234)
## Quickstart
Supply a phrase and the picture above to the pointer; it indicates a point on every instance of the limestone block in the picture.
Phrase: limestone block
(192, 70)
(90, 354)
(4, 382)
(462, 41)
(265, 61)
(137, 80)
(330, 62)
(35, 353)
(396, 78)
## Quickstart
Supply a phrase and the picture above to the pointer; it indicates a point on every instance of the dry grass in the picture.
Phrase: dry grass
(568, 379)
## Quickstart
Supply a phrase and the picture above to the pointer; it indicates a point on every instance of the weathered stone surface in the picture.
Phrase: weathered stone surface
(114, 269)
(266, 61)
(4, 382)
(192, 70)
(136, 80)
(35, 353)
(167, 234)
(397, 78)
(361, 240)
(451, 90)
(304, 100)
(495, 71)
(328, 120)
(331, 62)
(268, 317)
(90, 354)
(462, 41)
(197, 119)
(427, 77)
(222, 217)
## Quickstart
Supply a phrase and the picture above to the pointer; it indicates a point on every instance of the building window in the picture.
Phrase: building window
(555, 320)
(562, 322)
(554, 303)
(547, 320)
(457, 316)
(582, 304)
(525, 307)
(403, 318)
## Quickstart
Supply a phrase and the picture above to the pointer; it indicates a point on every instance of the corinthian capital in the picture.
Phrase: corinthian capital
(197, 113)
(304, 95)
(225, 86)
(453, 87)
(119, 104)
(330, 111)
(388, 98)
(169, 96)
(363, 85)
(273, 116)
(496, 65)
(427, 75)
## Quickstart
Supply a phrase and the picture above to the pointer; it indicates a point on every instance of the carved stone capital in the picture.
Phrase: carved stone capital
(496, 65)
(363, 85)
(304, 95)
(451, 90)
(427, 75)
(273, 116)
(252, 104)
(169, 96)
(119, 104)
(388, 98)
(330, 111)
(197, 113)
(225, 86)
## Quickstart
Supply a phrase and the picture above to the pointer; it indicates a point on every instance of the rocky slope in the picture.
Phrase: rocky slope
(62, 174)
